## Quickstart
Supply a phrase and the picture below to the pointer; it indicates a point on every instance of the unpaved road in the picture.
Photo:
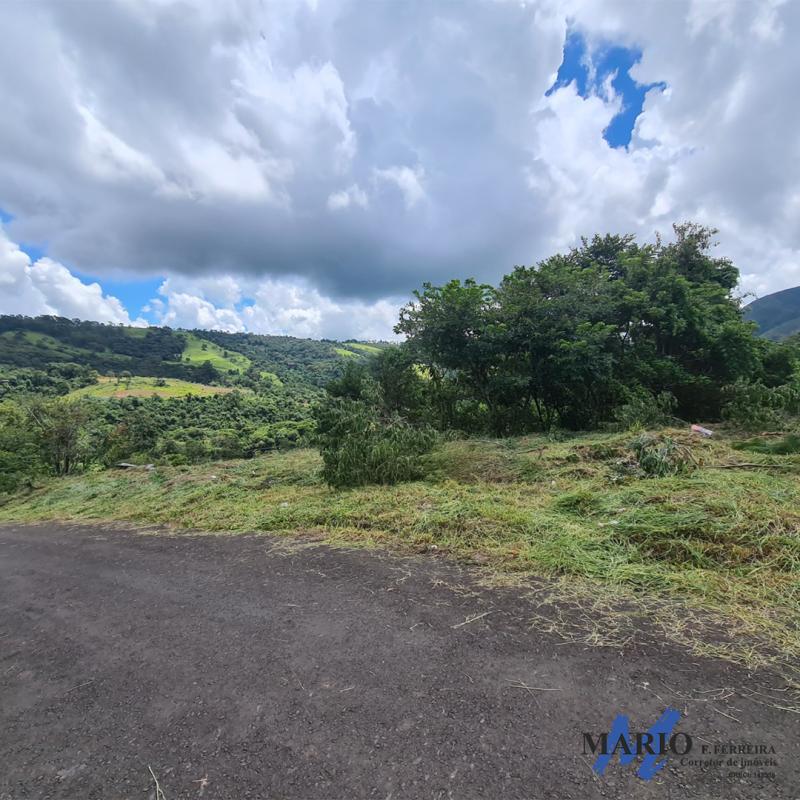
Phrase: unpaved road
(236, 668)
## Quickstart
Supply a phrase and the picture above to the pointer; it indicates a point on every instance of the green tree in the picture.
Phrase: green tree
(452, 331)
(20, 453)
(206, 373)
(58, 426)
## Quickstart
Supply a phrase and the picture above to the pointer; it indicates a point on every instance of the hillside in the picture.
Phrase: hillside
(777, 315)
(155, 394)
(48, 344)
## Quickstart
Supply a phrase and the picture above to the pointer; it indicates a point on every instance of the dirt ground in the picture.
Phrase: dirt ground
(239, 667)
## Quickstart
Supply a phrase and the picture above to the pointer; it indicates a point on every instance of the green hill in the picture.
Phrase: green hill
(157, 394)
(777, 315)
(70, 349)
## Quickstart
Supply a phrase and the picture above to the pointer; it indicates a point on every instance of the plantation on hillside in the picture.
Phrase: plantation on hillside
(75, 395)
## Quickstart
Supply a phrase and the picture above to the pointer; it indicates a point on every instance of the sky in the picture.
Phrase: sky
(301, 167)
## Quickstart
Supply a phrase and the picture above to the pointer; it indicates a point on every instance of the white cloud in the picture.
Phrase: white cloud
(183, 310)
(305, 109)
(719, 146)
(352, 196)
(407, 180)
(47, 287)
(110, 158)
(297, 309)
(288, 307)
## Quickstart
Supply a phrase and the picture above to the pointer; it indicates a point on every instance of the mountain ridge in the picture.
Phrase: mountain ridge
(777, 315)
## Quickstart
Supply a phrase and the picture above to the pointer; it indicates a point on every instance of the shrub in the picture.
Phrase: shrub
(753, 406)
(20, 454)
(645, 410)
(359, 446)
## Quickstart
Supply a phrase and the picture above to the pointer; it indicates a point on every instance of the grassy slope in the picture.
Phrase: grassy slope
(724, 540)
(146, 387)
(363, 347)
(194, 353)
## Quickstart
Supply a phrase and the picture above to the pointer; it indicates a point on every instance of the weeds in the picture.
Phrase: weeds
(661, 456)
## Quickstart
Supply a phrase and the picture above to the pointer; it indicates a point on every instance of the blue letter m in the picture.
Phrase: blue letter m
(619, 738)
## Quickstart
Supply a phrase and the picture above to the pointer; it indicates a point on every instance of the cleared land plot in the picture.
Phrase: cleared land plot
(147, 387)
(198, 350)
(713, 556)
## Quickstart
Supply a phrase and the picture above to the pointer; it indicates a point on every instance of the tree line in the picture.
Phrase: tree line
(56, 436)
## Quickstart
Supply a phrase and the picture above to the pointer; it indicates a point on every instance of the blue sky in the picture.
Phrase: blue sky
(134, 294)
(590, 69)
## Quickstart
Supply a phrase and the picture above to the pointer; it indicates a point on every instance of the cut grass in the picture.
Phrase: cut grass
(198, 350)
(147, 387)
(720, 544)
(786, 445)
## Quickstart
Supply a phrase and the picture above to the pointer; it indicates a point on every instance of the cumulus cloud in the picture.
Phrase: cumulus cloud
(720, 146)
(333, 156)
(291, 307)
(47, 287)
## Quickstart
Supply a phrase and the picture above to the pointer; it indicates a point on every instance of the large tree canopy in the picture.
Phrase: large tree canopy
(573, 338)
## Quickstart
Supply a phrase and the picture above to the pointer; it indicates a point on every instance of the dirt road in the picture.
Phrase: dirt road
(235, 667)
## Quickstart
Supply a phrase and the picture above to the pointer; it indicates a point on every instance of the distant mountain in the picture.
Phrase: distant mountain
(777, 314)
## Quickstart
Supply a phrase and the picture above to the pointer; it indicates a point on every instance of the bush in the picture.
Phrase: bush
(645, 410)
(662, 456)
(753, 406)
(359, 446)
(20, 455)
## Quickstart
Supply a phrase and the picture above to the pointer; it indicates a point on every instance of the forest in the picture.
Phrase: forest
(612, 335)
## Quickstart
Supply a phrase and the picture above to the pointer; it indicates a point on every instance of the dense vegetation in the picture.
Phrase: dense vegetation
(612, 334)
(46, 344)
(77, 395)
(717, 533)
(470, 425)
